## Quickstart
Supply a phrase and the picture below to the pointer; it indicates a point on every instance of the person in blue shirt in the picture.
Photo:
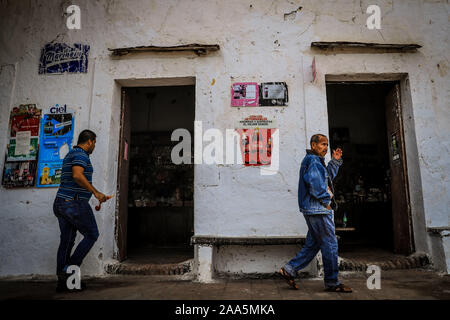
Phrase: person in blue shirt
(316, 202)
(72, 208)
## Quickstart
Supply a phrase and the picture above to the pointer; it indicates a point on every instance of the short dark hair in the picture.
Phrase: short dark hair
(316, 138)
(85, 136)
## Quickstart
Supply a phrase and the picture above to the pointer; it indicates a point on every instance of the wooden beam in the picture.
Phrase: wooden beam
(392, 47)
(199, 49)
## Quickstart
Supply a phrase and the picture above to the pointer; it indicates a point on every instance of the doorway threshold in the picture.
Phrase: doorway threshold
(155, 260)
(126, 268)
(359, 260)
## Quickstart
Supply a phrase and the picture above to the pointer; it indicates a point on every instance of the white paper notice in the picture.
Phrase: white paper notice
(275, 91)
(250, 92)
(23, 139)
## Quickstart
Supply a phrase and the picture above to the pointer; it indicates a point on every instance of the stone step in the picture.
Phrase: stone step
(149, 269)
(416, 260)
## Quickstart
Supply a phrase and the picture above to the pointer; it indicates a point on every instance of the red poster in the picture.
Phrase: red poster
(256, 146)
(25, 118)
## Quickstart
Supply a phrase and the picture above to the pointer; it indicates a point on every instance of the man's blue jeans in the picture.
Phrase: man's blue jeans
(73, 216)
(321, 236)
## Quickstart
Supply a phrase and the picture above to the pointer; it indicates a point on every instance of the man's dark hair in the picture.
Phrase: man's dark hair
(316, 138)
(86, 135)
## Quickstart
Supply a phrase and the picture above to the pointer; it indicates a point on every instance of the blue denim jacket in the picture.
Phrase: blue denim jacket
(315, 176)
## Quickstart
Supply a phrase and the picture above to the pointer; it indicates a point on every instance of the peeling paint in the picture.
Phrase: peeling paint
(292, 15)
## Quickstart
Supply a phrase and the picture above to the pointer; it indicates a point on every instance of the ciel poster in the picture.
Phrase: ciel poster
(56, 140)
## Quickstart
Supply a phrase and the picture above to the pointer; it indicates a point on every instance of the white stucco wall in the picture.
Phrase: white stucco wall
(258, 43)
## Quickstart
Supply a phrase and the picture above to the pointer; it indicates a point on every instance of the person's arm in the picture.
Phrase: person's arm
(334, 164)
(317, 183)
(79, 177)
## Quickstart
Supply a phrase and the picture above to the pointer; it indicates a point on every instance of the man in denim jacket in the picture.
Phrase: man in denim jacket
(316, 202)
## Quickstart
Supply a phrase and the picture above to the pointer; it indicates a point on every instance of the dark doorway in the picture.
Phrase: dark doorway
(371, 187)
(159, 195)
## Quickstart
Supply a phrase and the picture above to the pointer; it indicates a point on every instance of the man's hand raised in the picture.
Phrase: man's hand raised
(337, 154)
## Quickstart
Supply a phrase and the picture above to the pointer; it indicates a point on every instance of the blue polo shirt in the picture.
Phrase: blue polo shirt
(68, 187)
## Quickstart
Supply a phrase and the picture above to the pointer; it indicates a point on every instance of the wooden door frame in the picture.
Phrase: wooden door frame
(394, 78)
(119, 234)
(123, 84)
(396, 89)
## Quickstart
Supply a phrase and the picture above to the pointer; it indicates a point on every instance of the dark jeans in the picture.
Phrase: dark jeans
(73, 216)
(321, 236)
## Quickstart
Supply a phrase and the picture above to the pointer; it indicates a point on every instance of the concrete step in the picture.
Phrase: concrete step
(149, 269)
(415, 260)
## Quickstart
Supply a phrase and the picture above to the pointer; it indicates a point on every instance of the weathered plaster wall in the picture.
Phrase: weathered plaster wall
(260, 41)
(256, 260)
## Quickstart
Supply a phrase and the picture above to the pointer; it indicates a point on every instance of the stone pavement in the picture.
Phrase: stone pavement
(395, 284)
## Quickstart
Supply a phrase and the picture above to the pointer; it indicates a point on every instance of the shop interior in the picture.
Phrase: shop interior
(160, 193)
(357, 124)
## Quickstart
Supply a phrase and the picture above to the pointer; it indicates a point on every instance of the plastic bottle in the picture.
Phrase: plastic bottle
(344, 220)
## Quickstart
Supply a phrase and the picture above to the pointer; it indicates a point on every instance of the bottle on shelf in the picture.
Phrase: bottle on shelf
(344, 220)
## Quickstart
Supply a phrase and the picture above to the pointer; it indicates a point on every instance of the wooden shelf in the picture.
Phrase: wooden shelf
(345, 229)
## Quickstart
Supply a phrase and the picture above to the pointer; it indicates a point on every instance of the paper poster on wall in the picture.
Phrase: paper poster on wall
(256, 140)
(244, 94)
(49, 174)
(22, 143)
(19, 174)
(23, 133)
(56, 141)
(250, 94)
(57, 58)
(273, 94)
(23, 146)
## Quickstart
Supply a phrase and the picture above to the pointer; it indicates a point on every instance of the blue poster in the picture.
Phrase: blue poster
(60, 58)
(56, 142)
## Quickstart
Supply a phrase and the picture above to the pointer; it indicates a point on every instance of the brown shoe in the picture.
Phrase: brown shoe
(340, 288)
(289, 279)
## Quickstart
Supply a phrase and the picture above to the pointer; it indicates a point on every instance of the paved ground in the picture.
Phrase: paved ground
(395, 284)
